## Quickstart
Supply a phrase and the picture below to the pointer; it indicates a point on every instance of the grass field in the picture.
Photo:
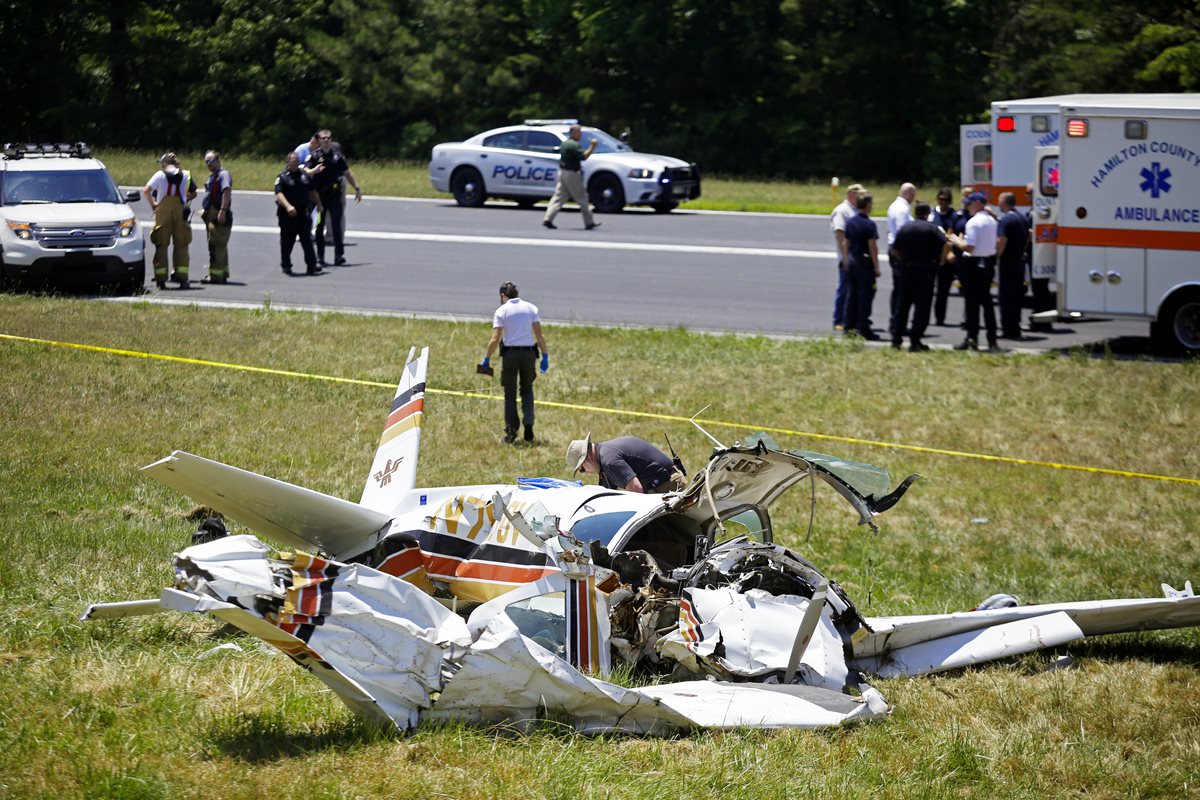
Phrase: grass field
(411, 179)
(133, 709)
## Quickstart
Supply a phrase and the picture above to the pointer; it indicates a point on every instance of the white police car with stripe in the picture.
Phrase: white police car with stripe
(520, 162)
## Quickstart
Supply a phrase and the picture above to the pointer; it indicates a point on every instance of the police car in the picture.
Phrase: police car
(520, 162)
(63, 219)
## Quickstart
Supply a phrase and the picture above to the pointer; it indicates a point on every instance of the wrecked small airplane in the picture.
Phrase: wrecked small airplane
(510, 603)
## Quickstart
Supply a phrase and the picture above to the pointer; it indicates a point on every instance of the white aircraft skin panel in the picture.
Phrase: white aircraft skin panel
(1094, 618)
(975, 647)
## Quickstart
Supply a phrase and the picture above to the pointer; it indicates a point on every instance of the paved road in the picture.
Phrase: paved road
(750, 273)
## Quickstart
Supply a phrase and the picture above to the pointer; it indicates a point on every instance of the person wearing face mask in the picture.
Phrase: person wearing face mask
(168, 193)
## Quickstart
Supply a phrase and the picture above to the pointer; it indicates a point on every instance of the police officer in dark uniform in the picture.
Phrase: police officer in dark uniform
(1011, 238)
(328, 166)
(919, 247)
(944, 216)
(862, 257)
(295, 196)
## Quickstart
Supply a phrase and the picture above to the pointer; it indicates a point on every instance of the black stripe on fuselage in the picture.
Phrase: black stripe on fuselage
(405, 397)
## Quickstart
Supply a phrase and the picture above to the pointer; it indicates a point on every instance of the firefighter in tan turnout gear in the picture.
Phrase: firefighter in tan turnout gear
(168, 192)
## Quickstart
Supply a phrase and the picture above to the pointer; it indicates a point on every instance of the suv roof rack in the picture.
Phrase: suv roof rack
(551, 122)
(16, 150)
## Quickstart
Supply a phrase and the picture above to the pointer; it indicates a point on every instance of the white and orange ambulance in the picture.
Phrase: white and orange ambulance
(1117, 211)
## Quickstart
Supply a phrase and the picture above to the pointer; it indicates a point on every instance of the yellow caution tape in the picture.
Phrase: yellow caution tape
(614, 411)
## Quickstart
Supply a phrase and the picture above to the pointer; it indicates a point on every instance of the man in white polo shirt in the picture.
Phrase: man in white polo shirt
(837, 223)
(515, 326)
(978, 270)
(899, 214)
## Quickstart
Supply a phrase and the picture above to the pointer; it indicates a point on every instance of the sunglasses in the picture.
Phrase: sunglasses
(211, 160)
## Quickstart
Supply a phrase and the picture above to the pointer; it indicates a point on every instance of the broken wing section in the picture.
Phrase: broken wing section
(394, 470)
(916, 645)
(287, 513)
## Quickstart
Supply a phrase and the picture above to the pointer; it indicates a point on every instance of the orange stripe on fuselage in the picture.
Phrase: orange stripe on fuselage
(1112, 237)
(417, 404)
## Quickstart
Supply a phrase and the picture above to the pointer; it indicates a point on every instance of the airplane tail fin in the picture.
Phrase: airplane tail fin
(394, 470)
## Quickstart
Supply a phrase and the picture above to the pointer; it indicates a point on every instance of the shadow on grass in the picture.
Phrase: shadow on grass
(1159, 647)
(271, 736)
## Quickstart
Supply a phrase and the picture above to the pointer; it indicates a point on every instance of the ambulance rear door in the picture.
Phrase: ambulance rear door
(975, 156)
(1045, 215)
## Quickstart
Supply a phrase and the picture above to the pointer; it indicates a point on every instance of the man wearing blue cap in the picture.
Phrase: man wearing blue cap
(978, 270)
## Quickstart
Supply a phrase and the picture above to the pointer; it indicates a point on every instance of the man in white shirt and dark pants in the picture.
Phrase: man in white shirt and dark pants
(515, 326)
(978, 270)
(837, 222)
(899, 214)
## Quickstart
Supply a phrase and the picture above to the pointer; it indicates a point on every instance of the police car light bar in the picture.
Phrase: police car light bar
(1077, 128)
(551, 122)
(14, 150)
(1006, 124)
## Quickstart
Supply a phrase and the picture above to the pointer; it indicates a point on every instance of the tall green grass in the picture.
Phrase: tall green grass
(134, 709)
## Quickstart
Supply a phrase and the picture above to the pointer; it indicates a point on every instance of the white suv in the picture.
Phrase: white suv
(63, 219)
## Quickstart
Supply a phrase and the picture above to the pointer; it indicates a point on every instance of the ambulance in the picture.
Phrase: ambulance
(997, 156)
(1117, 211)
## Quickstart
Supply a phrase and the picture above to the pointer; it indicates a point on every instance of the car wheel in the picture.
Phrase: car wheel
(664, 208)
(136, 283)
(467, 187)
(606, 193)
(1177, 331)
(526, 202)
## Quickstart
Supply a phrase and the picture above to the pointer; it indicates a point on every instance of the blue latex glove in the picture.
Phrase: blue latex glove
(486, 361)
(545, 362)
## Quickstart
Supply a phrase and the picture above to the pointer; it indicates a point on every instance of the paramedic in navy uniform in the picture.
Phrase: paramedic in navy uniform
(862, 259)
(1011, 236)
(919, 247)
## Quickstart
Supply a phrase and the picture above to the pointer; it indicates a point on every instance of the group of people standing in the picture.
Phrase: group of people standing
(310, 189)
(929, 248)
(169, 192)
(313, 182)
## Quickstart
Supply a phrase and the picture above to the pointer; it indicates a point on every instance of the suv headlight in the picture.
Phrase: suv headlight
(23, 230)
(641, 174)
(127, 227)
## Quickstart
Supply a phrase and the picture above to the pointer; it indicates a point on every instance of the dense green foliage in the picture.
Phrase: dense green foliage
(793, 88)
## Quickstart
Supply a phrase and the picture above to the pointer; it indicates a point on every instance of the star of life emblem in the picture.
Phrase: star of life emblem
(1155, 180)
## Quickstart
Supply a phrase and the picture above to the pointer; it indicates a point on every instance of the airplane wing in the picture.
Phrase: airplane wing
(394, 470)
(919, 644)
(284, 512)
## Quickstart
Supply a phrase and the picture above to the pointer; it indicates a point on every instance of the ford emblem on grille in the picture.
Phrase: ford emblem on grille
(77, 233)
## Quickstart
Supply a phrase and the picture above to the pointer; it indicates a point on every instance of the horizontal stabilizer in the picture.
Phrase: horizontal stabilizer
(289, 514)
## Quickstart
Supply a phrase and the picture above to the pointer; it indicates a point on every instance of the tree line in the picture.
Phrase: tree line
(772, 88)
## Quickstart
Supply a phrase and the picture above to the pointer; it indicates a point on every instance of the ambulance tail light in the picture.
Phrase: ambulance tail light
(1006, 124)
(1077, 128)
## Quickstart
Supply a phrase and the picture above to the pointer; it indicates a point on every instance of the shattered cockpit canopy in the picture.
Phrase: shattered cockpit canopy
(755, 472)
